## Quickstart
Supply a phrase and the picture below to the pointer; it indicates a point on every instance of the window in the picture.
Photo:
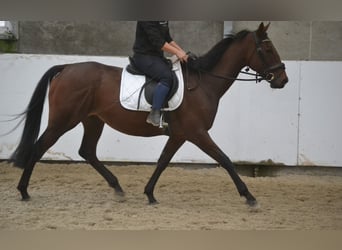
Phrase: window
(8, 30)
(227, 28)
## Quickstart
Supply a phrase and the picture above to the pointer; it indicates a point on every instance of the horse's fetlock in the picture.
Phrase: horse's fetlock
(83, 154)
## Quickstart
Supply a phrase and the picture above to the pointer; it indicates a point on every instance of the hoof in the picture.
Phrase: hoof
(151, 199)
(250, 200)
(26, 198)
(24, 195)
(153, 203)
(120, 196)
(253, 205)
(120, 193)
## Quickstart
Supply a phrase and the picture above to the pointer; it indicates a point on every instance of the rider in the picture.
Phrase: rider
(152, 39)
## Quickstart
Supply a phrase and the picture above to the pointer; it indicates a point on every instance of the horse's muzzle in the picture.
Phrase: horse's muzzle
(279, 82)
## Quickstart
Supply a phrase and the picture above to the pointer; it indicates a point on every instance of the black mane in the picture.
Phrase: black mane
(210, 59)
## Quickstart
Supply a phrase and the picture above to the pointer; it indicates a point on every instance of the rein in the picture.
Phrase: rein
(258, 77)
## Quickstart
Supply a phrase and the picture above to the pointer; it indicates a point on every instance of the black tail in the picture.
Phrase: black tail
(33, 115)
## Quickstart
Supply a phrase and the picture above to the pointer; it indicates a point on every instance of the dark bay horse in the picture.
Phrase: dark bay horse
(89, 93)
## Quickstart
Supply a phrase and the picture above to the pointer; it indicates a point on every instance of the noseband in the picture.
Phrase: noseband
(268, 73)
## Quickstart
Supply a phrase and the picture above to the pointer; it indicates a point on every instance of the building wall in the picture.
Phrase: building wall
(300, 40)
(108, 38)
(295, 40)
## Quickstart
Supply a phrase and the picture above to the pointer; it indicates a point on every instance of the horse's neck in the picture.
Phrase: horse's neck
(227, 69)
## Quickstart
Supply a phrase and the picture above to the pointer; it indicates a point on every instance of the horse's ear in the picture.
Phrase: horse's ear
(262, 29)
(266, 27)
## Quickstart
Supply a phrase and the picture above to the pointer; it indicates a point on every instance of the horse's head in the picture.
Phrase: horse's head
(265, 60)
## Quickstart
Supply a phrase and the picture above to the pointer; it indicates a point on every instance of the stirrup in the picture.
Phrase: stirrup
(161, 121)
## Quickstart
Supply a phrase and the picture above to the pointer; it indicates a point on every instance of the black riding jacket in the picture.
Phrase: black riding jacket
(150, 37)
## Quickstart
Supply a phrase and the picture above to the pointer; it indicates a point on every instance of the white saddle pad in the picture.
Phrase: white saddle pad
(132, 84)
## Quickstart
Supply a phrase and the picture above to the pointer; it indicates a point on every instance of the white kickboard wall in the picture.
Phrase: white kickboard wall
(298, 125)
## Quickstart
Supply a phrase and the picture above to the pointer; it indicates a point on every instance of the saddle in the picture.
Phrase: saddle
(150, 84)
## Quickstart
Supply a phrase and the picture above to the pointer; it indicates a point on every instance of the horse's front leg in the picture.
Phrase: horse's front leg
(171, 147)
(205, 143)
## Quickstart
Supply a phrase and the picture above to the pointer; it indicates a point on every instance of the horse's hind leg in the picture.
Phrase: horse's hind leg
(46, 140)
(92, 131)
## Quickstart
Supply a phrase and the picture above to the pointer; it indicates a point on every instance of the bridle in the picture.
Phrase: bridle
(267, 74)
